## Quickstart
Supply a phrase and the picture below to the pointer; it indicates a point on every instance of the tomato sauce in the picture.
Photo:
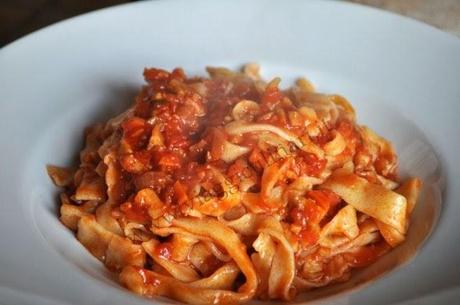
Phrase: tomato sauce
(135, 132)
(309, 236)
(164, 250)
(308, 164)
(367, 255)
(192, 127)
(271, 97)
(135, 212)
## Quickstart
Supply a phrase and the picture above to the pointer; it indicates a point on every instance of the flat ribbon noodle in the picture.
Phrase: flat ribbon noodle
(392, 236)
(283, 265)
(270, 177)
(246, 224)
(138, 279)
(61, 176)
(228, 239)
(343, 223)
(214, 206)
(112, 179)
(368, 233)
(274, 262)
(371, 199)
(150, 283)
(178, 271)
(115, 251)
(240, 127)
(71, 213)
(410, 189)
(222, 278)
(262, 260)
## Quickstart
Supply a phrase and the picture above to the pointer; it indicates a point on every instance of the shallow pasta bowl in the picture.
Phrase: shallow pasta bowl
(402, 77)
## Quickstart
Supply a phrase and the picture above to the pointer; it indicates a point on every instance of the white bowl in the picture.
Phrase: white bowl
(403, 77)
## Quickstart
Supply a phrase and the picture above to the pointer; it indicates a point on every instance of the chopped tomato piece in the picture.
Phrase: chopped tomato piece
(135, 212)
(325, 198)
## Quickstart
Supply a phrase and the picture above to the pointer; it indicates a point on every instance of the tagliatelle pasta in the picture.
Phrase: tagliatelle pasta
(225, 189)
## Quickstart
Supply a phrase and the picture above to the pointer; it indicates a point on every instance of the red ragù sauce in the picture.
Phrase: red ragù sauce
(188, 118)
